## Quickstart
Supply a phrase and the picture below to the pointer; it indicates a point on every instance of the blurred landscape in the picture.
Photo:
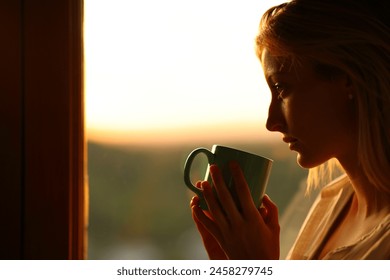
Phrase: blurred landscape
(139, 206)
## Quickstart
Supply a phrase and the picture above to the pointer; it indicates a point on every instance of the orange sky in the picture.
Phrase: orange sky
(221, 134)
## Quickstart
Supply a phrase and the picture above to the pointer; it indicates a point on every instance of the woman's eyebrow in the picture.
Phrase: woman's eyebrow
(272, 75)
(276, 69)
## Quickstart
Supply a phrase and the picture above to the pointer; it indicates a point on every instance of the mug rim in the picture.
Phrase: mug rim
(215, 146)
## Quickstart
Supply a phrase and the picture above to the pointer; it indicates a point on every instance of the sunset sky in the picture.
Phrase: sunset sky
(173, 69)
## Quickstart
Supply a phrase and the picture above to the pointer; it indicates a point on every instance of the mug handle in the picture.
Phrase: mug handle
(188, 164)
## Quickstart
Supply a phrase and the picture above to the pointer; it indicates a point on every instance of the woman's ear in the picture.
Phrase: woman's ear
(350, 89)
(345, 81)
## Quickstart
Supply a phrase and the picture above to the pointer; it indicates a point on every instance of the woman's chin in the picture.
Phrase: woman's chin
(306, 161)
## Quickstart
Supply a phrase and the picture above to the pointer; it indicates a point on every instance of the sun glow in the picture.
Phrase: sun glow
(155, 67)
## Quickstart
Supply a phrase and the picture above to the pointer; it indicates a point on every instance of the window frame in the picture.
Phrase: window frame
(45, 194)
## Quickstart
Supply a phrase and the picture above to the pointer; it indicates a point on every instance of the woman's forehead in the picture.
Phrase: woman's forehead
(273, 64)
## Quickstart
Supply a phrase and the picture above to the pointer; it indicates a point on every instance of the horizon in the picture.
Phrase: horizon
(216, 133)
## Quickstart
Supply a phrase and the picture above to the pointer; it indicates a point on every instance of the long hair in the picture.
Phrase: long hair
(351, 37)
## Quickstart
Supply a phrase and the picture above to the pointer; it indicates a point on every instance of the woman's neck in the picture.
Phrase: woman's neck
(368, 199)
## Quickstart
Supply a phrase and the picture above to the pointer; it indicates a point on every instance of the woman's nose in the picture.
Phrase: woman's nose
(275, 120)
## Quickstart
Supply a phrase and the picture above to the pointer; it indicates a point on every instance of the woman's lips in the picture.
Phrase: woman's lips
(291, 141)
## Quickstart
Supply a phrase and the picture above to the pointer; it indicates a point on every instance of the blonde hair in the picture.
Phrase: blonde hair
(342, 36)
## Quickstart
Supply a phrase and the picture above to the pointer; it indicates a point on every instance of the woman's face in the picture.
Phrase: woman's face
(315, 115)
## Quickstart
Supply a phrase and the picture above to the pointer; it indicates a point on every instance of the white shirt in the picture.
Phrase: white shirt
(323, 214)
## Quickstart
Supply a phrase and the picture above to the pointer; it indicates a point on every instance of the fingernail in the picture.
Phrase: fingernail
(204, 185)
(193, 201)
(213, 167)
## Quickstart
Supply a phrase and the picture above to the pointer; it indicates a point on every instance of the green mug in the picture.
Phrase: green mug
(256, 170)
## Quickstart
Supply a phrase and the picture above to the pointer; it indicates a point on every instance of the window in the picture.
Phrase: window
(164, 77)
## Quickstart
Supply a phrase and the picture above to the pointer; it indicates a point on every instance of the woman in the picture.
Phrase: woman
(327, 64)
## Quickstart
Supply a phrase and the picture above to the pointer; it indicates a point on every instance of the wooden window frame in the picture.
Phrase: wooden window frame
(44, 191)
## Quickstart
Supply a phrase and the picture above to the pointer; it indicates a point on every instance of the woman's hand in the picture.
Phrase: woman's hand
(245, 233)
(211, 245)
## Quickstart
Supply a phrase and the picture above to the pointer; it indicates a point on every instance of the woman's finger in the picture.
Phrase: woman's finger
(214, 205)
(243, 192)
(226, 200)
(211, 244)
(199, 225)
(272, 212)
(206, 223)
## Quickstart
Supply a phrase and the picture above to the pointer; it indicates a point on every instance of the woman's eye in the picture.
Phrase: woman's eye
(279, 90)
(278, 87)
